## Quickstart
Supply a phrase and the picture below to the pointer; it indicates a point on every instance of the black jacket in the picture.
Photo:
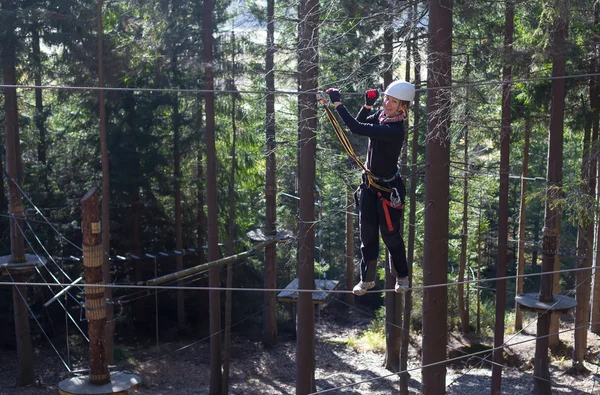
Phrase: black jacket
(385, 140)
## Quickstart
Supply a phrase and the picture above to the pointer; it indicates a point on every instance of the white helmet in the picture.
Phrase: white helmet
(401, 90)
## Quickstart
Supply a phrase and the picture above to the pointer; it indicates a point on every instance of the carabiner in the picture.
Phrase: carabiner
(395, 198)
(321, 97)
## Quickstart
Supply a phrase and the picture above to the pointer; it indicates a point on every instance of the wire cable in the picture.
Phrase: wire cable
(447, 360)
(37, 321)
(281, 92)
(447, 284)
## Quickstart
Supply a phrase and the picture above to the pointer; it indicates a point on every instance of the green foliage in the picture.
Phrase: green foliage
(373, 338)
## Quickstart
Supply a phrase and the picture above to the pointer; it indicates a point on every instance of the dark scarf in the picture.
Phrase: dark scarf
(395, 118)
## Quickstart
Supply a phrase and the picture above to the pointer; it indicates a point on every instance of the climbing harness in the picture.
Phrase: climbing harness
(395, 199)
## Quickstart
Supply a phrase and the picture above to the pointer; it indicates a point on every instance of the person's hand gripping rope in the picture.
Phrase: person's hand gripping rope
(334, 95)
(371, 96)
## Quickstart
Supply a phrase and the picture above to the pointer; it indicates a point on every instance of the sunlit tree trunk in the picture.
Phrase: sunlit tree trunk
(212, 205)
(585, 234)
(404, 376)
(542, 383)
(503, 202)
(230, 228)
(595, 103)
(522, 222)
(308, 71)
(393, 301)
(270, 315)
(437, 194)
(462, 308)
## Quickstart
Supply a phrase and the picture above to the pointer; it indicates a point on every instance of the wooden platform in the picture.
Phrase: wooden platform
(30, 264)
(561, 304)
(317, 297)
(258, 235)
(120, 383)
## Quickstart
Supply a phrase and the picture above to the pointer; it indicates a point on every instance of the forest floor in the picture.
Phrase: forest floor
(256, 370)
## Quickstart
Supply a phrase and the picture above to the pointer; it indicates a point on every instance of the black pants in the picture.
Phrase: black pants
(377, 215)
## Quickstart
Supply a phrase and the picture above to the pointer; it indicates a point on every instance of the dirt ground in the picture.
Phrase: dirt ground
(339, 368)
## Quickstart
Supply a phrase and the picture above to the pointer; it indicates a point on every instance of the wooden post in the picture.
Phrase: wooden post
(95, 303)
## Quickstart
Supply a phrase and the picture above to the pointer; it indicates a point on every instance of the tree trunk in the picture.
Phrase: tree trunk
(94, 296)
(405, 376)
(542, 383)
(270, 298)
(585, 234)
(176, 121)
(15, 202)
(595, 104)
(479, 258)
(553, 339)
(349, 245)
(212, 205)
(135, 229)
(503, 203)
(230, 231)
(437, 194)
(393, 301)
(40, 118)
(393, 323)
(110, 323)
(462, 309)
(522, 221)
(3, 203)
(308, 78)
(201, 214)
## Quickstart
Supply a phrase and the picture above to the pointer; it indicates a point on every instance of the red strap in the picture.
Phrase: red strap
(386, 203)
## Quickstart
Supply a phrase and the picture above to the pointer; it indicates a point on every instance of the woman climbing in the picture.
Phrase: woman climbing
(380, 196)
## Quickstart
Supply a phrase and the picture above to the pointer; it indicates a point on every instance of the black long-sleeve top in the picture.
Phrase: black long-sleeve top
(385, 140)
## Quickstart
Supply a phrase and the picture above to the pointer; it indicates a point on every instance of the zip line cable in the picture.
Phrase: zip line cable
(281, 92)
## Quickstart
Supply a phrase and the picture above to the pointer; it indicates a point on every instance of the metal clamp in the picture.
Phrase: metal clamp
(395, 198)
(321, 97)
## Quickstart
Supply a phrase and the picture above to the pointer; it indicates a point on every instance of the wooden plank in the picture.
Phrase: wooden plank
(290, 295)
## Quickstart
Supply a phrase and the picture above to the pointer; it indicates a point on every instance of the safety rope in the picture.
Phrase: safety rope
(339, 132)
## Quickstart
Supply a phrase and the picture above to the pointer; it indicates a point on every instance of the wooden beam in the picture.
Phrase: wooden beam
(206, 266)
